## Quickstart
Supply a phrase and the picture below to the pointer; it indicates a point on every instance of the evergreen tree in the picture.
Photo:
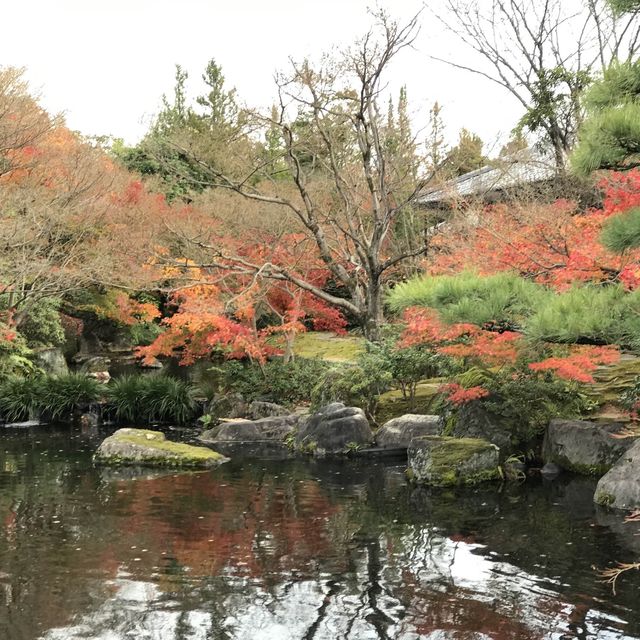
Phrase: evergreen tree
(466, 156)
(436, 148)
(610, 135)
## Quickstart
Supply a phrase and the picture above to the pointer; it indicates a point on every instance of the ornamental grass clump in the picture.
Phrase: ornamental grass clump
(60, 397)
(147, 399)
(166, 399)
(49, 397)
(19, 398)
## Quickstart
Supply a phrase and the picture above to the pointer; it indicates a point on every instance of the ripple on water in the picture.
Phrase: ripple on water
(296, 549)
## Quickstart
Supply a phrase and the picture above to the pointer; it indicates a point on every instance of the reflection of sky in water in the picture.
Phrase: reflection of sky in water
(441, 571)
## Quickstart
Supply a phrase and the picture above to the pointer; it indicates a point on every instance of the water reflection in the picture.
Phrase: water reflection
(296, 550)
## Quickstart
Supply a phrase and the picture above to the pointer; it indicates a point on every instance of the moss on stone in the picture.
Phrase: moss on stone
(604, 499)
(168, 453)
(453, 461)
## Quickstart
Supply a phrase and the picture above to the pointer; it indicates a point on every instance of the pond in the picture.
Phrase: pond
(297, 550)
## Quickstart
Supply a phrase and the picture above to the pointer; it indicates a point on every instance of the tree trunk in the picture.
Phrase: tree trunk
(373, 319)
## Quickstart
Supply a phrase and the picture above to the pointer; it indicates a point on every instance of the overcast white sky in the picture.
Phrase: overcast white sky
(106, 63)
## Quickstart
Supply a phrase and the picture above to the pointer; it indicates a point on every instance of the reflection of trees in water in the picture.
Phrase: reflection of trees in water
(270, 551)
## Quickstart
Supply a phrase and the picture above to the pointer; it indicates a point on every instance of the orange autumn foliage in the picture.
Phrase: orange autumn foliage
(553, 244)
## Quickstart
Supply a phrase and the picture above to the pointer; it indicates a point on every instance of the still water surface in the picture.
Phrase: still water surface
(297, 550)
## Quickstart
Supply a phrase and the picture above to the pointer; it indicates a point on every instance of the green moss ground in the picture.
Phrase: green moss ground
(328, 346)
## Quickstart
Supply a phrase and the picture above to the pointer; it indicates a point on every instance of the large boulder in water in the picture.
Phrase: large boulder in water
(445, 461)
(150, 448)
(399, 432)
(276, 428)
(584, 447)
(334, 429)
(620, 487)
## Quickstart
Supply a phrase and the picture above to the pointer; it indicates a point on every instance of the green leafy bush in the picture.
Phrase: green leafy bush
(278, 381)
(15, 356)
(411, 365)
(42, 326)
(360, 384)
(527, 401)
(504, 299)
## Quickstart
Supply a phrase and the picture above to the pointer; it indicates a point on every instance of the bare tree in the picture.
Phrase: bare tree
(544, 53)
(344, 179)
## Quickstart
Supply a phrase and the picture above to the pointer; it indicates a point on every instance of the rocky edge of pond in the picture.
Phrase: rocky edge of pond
(475, 450)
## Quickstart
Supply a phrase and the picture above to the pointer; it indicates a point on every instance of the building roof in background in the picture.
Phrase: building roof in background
(527, 167)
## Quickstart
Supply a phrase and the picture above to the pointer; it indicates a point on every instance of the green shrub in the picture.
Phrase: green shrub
(522, 401)
(504, 299)
(124, 398)
(527, 401)
(409, 366)
(15, 356)
(360, 384)
(52, 398)
(286, 383)
(144, 333)
(167, 399)
(42, 326)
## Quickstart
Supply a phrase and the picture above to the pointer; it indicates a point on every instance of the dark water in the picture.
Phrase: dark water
(297, 550)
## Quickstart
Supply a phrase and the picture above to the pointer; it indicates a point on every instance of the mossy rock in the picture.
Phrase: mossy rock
(444, 461)
(151, 448)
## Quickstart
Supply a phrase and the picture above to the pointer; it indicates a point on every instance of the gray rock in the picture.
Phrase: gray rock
(95, 364)
(550, 470)
(259, 409)
(150, 448)
(444, 461)
(474, 421)
(229, 405)
(620, 487)
(584, 447)
(276, 428)
(52, 361)
(399, 432)
(89, 419)
(333, 429)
